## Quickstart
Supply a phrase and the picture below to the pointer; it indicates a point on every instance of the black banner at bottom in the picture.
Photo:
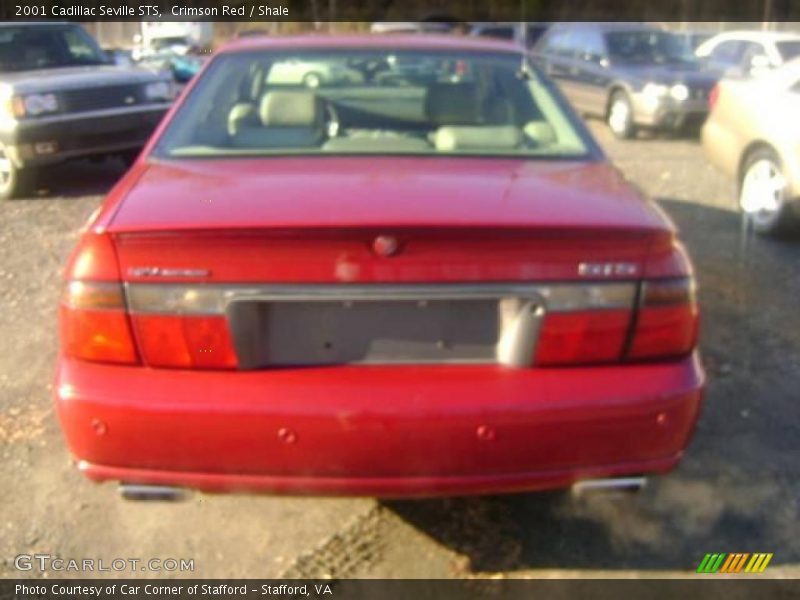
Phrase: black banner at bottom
(395, 589)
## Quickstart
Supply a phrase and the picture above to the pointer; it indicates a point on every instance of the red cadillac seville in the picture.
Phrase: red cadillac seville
(376, 265)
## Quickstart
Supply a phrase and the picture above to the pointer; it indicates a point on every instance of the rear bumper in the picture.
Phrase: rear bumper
(385, 431)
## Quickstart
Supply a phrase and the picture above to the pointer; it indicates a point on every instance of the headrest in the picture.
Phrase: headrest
(475, 139)
(296, 108)
(452, 104)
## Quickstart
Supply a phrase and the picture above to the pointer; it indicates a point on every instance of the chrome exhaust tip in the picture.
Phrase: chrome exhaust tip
(145, 492)
(611, 484)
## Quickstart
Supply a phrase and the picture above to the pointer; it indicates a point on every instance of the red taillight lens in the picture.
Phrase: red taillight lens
(713, 96)
(182, 341)
(667, 322)
(93, 323)
(582, 337)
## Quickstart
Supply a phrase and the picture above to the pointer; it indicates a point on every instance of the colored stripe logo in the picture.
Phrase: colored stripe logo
(734, 563)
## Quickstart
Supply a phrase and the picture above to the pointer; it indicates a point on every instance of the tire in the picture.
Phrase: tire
(762, 193)
(312, 80)
(14, 182)
(620, 116)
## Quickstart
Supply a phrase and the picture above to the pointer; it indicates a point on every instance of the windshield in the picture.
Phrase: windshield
(789, 50)
(30, 47)
(647, 47)
(371, 102)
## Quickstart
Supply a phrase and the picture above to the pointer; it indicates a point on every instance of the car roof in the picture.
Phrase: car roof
(393, 42)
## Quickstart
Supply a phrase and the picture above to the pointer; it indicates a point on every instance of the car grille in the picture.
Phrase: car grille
(98, 98)
(700, 93)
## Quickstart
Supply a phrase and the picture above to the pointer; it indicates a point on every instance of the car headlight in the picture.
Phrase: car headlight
(158, 90)
(37, 104)
(655, 91)
(679, 92)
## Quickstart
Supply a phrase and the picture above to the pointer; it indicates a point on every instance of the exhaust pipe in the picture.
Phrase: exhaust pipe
(145, 492)
(611, 484)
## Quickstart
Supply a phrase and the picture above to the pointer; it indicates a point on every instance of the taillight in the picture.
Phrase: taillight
(585, 323)
(93, 322)
(582, 337)
(182, 326)
(713, 96)
(664, 325)
(667, 320)
(184, 341)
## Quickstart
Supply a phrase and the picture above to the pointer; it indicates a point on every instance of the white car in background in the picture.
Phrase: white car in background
(311, 73)
(753, 135)
(746, 53)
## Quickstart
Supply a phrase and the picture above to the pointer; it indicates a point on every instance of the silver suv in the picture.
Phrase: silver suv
(61, 98)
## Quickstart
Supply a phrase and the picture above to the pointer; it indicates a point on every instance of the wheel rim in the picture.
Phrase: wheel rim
(5, 169)
(762, 190)
(619, 116)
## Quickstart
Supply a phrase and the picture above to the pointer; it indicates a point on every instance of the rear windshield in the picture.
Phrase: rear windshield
(789, 50)
(26, 48)
(372, 102)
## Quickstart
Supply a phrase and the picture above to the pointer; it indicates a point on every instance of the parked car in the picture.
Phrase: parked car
(62, 98)
(311, 74)
(451, 291)
(753, 135)
(524, 34)
(632, 75)
(746, 53)
(182, 67)
(408, 27)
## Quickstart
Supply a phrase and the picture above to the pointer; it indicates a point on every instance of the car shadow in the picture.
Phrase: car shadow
(736, 489)
(74, 179)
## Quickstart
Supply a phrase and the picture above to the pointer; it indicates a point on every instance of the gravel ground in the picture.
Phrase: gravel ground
(736, 491)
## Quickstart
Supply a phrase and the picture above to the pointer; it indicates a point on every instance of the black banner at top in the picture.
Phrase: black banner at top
(403, 10)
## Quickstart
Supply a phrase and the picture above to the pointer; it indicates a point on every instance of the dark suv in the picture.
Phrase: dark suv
(62, 97)
(632, 75)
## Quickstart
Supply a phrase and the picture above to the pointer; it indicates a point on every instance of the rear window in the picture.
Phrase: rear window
(372, 102)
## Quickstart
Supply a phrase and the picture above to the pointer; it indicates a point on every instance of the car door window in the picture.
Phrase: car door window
(749, 50)
(727, 53)
(788, 50)
(563, 44)
(589, 46)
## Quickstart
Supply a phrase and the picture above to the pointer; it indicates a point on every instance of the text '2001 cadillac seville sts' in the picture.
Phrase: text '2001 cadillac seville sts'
(401, 268)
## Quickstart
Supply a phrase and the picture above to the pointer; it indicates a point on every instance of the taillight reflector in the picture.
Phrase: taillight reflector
(668, 320)
(713, 96)
(582, 337)
(184, 341)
